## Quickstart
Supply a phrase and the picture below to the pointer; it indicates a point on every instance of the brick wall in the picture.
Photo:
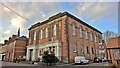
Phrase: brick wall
(113, 43)
(62, 34)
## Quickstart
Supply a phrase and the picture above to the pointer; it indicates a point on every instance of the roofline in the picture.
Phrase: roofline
(114, 48)
(61, 15)
(115, 37)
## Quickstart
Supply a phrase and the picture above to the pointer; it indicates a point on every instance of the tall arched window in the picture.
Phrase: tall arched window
(40, 34)
(95, 38)
(87, 48)
(91, 36)
(82, 49)
(34, 35)
(74, 48)
(73, 29)
(54, 30)
(46, 32)
(86, 32)
(81, 32)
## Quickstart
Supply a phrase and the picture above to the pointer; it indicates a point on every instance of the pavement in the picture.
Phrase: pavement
(25, 65)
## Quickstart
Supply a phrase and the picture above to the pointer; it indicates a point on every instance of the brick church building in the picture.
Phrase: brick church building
(66, 35)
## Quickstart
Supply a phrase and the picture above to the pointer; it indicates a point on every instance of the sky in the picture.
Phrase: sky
(101, 14)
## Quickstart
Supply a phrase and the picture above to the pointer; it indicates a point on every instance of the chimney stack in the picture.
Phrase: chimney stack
(19, 32)
(5, 41)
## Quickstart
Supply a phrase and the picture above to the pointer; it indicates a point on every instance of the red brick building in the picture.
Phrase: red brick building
(14, 47)
(67, 35)
(102, 50)
(113, 50)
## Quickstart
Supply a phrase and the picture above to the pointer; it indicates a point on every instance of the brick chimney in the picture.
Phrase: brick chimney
(10, 38)
(6, 41)
(14, 36)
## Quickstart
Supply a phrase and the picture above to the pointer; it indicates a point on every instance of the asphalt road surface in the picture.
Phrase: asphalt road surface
(21, 65)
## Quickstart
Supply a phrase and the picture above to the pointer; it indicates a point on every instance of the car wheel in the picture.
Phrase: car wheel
(82, 63)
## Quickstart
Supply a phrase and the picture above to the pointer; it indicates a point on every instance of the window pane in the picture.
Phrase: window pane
(54, 29)
(46, 32)
(35, 36)
(73, 29)
(40, 34)
(87, 50)
(74, 48)
(82, 49)
(80, 32)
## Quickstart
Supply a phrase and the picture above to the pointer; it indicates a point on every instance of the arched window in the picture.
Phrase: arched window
(82, 49)
(73, 29)
(46, 32)
(91, 36)
(74, 48)
(86, 32)
(87, 48)
(81, 32)
(40, 34)
(54, 30)
(34, 35)
(95, 38)
(92, 50)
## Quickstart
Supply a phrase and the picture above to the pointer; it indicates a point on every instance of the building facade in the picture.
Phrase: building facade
(66, 35)
(14, 48)
(102, 50)
(2, 54)
(113, 50)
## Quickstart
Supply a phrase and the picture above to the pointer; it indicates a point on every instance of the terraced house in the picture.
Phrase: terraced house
(66, 35)
(14, 48)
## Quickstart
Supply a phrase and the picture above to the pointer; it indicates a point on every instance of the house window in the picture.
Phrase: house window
(34, 35)
(91, 37)
(99, 39)
(87, 50)
(95, 38)
(40, 34)
(46, 32)
(81, 32)
(74, 48)
(92, 50)
(82, 49)
(116, 53)
(55, 30)
(73, 29)
(86, 34)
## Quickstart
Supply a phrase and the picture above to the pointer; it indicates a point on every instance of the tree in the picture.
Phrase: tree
(109, 34)
(49, 58)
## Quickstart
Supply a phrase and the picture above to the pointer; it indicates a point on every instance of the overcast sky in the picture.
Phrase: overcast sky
(101, 15)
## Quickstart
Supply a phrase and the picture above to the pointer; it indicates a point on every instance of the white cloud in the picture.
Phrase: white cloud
(7, 32)
(96, 11)
(59, 0)
(32, 11)
(18, 22)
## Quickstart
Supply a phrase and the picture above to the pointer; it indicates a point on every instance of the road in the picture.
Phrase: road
(21, 65)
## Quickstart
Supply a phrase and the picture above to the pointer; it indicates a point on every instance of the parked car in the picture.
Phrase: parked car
(81, 60)
(104, 59)
(97, 60)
